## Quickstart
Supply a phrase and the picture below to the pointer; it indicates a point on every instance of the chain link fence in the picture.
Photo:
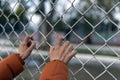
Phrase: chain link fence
(91, 25)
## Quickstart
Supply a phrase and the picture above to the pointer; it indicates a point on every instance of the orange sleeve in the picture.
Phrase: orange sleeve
(55, 70)
(11, 67)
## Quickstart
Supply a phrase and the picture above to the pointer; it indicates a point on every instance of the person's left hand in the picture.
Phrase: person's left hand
(26, 47)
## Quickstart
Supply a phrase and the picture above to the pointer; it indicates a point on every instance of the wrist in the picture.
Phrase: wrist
(58, 61)
(21, 56)
(21, 60)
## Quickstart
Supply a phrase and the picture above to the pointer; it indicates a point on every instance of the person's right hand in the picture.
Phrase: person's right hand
(26, 47)
(62, 51)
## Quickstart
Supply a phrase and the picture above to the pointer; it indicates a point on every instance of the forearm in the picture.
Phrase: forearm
(55, 70)
(11, 67)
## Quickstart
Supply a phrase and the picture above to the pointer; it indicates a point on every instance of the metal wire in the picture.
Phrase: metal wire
(40, 18)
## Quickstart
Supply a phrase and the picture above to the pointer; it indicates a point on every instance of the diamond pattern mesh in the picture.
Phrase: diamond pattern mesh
(83, 22)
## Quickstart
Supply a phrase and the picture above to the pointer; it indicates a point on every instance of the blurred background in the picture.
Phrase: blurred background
(93, 26)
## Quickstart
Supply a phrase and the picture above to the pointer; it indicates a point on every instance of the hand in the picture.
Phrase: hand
(62, 51)
(26, 47)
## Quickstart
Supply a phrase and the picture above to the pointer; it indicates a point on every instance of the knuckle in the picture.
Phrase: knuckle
(57, 47)
(71, 46)
(67, 42)
(22, 44)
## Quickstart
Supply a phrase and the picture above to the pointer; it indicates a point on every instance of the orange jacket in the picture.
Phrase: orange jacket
(11, 66)
(55, 70)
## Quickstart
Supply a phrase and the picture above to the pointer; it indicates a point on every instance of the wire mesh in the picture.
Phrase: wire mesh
(83, 22)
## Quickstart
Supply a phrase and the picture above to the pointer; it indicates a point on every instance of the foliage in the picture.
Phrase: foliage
(12, 21)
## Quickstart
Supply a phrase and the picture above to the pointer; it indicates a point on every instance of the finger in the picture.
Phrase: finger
(31, 47)
(63, 48)
(67, 50)
(31, 38)
(26, 39)
(51, 53)
(29, 43)
(69, 56)
(51, 49)
(59, 41)
(66, 44)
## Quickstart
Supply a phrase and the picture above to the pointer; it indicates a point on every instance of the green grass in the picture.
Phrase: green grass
(93, 51)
